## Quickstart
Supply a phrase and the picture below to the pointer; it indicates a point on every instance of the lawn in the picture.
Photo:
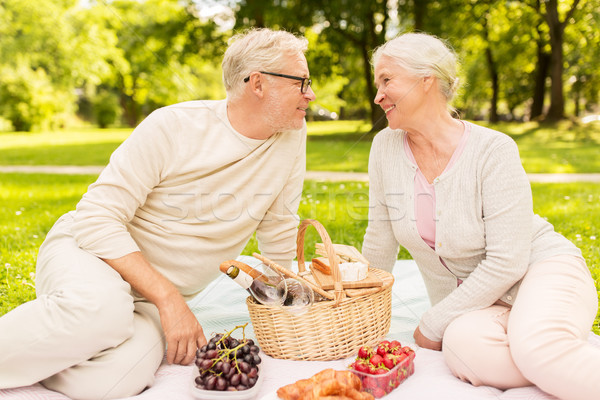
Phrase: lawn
(31, 203)
(331, 146)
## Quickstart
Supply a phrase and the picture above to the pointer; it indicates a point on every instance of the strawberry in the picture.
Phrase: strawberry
(378, 392)
(369, 383)
(361, 366)
(389, 361)
(365, 352)
(383, 348)
(376, 360)
(381, 371)
(394, 344)
(397, 351)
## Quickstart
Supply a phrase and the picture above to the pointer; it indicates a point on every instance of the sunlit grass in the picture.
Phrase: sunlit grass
(29, 206)
(565, 147)
(69, 147)
(332, 146)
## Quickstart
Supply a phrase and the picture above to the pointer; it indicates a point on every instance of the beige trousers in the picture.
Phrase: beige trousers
(84, 335)
(541, 341)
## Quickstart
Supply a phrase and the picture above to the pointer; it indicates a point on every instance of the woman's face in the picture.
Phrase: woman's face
(400, 94)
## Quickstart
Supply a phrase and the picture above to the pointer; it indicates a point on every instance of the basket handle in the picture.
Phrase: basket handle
(338, 289)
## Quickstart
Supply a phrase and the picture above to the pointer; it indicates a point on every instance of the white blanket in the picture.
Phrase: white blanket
(222, 306)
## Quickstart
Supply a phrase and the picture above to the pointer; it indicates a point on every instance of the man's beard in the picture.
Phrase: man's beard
(275, 117)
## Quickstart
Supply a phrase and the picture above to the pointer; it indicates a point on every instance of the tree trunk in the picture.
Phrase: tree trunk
(493, 70)
(557, 28)
(420, 14)
(539, 89)
(557, 102)
(378, 121)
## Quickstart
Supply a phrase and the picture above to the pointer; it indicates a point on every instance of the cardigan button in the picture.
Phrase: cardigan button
(509, 297)
(439, 244)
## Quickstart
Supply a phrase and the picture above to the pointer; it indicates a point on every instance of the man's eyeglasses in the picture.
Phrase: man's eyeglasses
(306, 82)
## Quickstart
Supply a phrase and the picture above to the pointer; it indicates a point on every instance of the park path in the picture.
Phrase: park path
(329, 176)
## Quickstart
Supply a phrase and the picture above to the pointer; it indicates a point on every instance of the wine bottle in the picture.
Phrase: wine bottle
(266, 285)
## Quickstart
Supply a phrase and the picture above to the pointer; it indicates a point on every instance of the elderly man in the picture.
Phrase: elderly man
(183, 193)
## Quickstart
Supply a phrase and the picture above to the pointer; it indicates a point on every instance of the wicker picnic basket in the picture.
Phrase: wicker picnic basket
(332, 329)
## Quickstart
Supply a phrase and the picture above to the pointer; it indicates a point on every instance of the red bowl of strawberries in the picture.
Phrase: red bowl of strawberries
(383, 368)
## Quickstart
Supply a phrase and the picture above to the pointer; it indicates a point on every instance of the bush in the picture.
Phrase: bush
(29, 100)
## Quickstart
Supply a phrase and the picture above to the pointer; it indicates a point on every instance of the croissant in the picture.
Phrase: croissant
(328, 384)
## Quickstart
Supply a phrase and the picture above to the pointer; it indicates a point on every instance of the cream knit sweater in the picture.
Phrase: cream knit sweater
(486, 231)
(188, 191)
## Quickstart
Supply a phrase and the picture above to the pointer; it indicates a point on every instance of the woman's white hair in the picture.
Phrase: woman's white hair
(257, 49)
(423, 55)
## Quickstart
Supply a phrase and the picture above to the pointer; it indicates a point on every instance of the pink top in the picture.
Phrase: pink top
(425, 191)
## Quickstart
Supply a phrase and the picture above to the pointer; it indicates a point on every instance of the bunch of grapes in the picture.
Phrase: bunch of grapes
(226, 363)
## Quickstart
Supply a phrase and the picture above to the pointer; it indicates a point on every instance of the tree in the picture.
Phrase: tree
(36, 64)
(168, 54)
(556, 29)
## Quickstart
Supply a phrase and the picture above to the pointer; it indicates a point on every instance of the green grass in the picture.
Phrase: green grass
(30, 204)
(559, 148)
(72, 147)
(331, 146)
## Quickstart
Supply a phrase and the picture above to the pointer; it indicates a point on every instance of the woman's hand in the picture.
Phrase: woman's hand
(422, 341)
(183, 332)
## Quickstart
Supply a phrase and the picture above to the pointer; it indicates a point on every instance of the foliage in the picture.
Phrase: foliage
(56, 55)
(35, 66)
(29, 100)
(168, 54)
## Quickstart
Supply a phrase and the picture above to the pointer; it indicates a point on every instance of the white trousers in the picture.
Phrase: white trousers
(542, 340)
(84, 335)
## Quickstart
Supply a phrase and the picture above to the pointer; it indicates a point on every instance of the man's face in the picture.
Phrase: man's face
(284, 104)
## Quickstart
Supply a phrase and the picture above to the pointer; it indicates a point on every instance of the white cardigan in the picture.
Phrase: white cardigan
(486, 231)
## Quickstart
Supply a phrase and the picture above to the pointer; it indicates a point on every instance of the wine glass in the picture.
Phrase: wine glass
(299, 297)
(269, 286)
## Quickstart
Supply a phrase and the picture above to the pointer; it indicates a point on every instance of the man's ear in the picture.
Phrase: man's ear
(255, 83)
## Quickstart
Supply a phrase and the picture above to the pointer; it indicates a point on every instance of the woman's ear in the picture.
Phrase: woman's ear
(428, 82)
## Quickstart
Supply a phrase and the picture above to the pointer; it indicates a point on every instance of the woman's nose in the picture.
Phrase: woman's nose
(379, 96)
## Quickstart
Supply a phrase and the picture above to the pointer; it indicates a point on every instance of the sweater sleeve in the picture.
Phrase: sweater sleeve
(276, 233)
(135, 168)
(507, 217)
(380, 245)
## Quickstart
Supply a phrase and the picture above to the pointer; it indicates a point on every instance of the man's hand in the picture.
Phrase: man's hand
(422, 341)
(181, 328)
(182, 331)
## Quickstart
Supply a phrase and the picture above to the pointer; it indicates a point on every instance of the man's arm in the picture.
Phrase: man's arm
(182, 331)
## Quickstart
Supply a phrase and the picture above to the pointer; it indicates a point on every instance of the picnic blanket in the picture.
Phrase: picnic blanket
(221, 306)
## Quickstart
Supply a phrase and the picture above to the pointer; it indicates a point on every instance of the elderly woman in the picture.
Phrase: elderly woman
(512, 300)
